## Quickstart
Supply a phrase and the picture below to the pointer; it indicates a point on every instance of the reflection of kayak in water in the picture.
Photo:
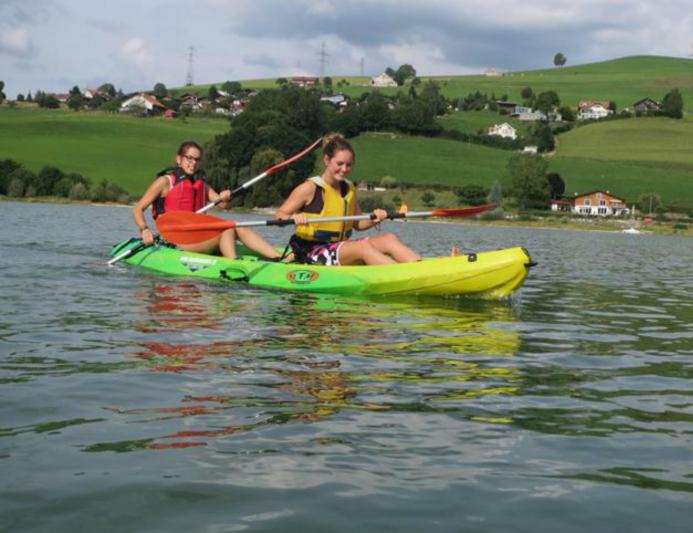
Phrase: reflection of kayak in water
(495, 274)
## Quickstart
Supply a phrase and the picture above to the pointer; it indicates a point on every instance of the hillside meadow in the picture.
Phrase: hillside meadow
(123, 149)
(624, 81)
(628, 157)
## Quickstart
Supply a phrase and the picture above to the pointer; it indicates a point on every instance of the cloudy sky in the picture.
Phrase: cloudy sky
(53, 45)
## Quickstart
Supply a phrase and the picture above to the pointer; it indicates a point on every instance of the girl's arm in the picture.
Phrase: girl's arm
(155, 190)
(300, 197)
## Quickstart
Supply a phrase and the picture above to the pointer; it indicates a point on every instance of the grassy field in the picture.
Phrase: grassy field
(123, 149)
(627, 157)
(422, 160)
(625, 81)
(473, 121)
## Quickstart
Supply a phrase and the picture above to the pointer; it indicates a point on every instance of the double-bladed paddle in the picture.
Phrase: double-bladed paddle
(180, 227)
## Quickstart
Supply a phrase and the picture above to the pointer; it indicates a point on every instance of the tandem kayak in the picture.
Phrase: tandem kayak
(491, 275)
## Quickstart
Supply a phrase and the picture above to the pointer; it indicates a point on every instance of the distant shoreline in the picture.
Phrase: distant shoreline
(597, 225)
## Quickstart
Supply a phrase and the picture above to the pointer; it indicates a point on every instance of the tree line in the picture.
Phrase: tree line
(16, 181)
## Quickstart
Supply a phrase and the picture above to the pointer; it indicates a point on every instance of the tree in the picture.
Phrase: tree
(428, 198)
(7, 167)
(672, 104)
(547, 101)
(559, 59)
(567, 113)
(649, 202)
(327, 83)
(160, 90)
(108, 89)
(212, 93)
(46, 179)
(20, 97)
(527, 180)
(2, 94)
(375, 115)
(527, 93)
(232, 87)
(543, 137)
(403, 73)
(75, 101)
(557, 185)
(472, 194)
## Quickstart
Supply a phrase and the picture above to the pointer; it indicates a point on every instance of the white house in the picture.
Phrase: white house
(383, 81)
(504, 130)
(599, 203)
(142, 101)
(593, 110)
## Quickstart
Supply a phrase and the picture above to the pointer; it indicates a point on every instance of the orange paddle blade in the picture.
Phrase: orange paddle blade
(180, 227)
(462, 212)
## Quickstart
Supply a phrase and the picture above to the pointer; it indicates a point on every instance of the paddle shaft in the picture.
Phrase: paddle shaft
(268, 172)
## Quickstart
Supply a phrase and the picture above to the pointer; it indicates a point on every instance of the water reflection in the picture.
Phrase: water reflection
(305, 358)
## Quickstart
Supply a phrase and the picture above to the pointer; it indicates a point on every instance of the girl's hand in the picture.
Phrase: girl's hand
(225, 196)
(299, 219)
(147, 236)
(380, 215)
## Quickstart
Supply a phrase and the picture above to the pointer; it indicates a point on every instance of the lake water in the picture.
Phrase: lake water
(134, 402)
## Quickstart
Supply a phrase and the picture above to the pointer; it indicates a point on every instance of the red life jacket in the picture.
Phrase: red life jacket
(186, 193)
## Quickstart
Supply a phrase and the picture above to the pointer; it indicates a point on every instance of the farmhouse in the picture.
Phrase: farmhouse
(593, 110)
(504, 130)
(304, 81)
(142, 102)
(383, 81)
(645, 105)
(598, 203)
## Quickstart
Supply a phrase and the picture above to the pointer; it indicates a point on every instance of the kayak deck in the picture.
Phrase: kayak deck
(492, 275)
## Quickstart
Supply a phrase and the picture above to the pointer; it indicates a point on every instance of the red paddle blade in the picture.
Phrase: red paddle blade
(462, 212)
(180, 227)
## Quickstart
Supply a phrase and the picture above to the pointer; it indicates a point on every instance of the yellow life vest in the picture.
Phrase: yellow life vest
(334, 205)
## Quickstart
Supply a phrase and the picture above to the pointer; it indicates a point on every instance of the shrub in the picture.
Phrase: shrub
(16, 188)
(78, 191)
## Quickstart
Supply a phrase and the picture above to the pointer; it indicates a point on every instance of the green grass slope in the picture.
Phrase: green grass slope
(123, 149)
(625, 81)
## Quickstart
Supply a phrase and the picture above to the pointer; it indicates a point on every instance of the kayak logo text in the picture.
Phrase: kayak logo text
(302, 276)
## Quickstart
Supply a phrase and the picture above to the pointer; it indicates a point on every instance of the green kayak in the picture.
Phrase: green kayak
(491, 275)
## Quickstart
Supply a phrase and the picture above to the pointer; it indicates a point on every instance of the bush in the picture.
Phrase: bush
(78, 191)
(388, 182)
(16, 188)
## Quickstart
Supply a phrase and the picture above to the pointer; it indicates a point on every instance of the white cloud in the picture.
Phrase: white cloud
(136, 52)
(14, 40)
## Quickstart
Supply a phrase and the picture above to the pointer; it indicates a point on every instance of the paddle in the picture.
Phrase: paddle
(180, 227)
(268, 172)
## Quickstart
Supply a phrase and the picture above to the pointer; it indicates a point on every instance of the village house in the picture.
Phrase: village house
(646, 105)
(506, 106)
(593, 110)
(491, 71)
(304, 81)
(142, 102)
(338, 100)
(595, 203)
(383, 81)
(504, 130)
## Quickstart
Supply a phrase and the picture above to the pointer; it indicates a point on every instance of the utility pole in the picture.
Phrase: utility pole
(323, 55)
(191, 59)
(362, 69)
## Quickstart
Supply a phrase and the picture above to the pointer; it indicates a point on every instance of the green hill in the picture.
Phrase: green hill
(122, 149)
(628, 157)
(624, 81)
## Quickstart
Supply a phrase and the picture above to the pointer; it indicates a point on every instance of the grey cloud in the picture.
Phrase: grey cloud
(261, 60)
(496, 40)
